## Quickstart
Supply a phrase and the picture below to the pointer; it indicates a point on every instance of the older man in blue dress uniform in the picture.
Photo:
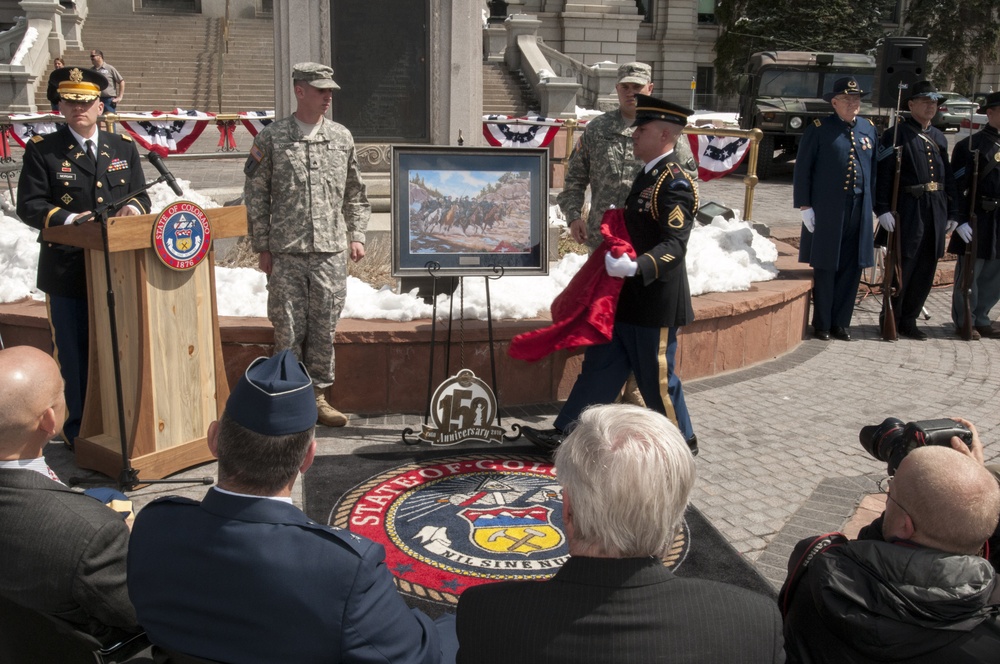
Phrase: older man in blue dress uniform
(834, 190)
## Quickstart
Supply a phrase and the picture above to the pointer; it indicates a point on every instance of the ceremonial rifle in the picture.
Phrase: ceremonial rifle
(891, 268)
(971, 250)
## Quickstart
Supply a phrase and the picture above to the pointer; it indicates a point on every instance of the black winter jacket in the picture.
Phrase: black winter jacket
(871, 601)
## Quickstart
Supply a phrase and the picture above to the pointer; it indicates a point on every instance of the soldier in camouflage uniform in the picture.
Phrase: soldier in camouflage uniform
(307, 208)
(603, 159)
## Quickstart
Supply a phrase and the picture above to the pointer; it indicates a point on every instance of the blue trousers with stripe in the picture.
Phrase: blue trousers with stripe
(649, 353)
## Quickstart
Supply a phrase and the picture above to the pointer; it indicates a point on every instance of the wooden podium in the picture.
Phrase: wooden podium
(170, 351)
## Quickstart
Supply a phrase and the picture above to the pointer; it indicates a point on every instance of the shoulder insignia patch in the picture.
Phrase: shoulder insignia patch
(253, 161)
(126, 137)
(37, 138)
(817, 122)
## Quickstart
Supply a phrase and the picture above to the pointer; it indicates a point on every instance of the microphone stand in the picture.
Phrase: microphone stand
(128, 479)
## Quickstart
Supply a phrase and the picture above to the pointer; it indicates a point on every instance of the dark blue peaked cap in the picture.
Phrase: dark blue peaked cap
(649, 108)
(274, 397)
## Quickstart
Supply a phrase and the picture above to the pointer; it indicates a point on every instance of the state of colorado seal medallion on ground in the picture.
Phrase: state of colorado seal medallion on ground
(452, 522)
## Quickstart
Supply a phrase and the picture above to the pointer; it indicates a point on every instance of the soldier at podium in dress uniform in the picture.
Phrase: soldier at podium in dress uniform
(65, 175)
(655, 299)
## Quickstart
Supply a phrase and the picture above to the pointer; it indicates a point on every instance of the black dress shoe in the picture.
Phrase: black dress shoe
(987, 331)
(912, 332)
(823, 335)
(841, 333)
(547, 439)
(693, 445)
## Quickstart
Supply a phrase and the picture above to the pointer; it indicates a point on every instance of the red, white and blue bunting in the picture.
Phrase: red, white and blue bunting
(170, 132)
(717, 155)
(527, 132)
(255, 121)
(166, 132)
(32, 124)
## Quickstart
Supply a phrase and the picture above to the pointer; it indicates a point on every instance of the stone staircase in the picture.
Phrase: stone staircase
(172, 61)
(506, 93)
(189, 43)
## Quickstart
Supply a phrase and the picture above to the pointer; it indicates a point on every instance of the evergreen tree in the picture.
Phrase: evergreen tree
(964, 37)
(836, 26)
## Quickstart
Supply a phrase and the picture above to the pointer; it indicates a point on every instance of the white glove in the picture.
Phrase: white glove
(887, 221)
(621, 267)
(809, 219)
(950, 226)
(965, 232)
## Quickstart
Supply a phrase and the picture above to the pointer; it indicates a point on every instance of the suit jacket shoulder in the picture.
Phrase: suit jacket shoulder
(622, 610)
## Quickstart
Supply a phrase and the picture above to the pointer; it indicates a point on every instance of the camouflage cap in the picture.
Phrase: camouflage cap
(315, 74)
(635, 72)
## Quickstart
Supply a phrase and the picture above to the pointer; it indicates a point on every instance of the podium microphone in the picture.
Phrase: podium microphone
(157, 161)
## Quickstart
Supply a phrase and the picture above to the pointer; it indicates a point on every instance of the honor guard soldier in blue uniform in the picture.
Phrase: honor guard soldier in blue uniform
(986, 273)
(66, 174)
(834, 189)
(926, 202)
(655, 299)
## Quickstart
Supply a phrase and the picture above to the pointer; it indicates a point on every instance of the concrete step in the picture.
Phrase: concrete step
(190, 43)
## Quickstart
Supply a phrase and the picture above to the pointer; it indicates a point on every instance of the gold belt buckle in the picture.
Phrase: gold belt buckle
(932, 186)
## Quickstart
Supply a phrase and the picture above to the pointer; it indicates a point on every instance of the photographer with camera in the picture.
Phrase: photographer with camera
(923, 590)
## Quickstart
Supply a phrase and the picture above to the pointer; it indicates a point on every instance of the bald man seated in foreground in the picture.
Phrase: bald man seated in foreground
(626, 475)
(926, 593)
(64, 552)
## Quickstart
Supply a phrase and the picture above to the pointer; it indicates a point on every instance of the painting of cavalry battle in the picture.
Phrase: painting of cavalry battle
(463, 210)
(452, 211)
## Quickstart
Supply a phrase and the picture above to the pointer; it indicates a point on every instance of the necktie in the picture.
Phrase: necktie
(90, 153)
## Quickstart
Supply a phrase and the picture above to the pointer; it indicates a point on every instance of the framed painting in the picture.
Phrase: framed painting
(469, 211)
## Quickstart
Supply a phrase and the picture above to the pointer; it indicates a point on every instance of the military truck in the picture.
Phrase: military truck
(781, 92)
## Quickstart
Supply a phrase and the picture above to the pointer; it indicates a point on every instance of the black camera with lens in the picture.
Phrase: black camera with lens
(892, 440)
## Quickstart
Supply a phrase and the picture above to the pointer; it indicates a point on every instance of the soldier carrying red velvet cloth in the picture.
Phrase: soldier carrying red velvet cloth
(655, 299)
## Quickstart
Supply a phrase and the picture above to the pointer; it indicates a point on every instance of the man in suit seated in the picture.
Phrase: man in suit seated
(626, 474)
(244, 576)
(920, 590)
(63, 552)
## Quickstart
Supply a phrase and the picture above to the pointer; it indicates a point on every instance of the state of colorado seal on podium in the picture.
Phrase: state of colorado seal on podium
(182, 236)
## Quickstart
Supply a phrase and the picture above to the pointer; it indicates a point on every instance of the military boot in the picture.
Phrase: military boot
(328, 416)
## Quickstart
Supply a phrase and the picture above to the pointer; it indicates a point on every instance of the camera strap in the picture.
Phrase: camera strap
(797, 570)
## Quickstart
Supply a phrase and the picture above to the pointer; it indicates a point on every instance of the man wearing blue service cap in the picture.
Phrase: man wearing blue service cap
(68, 173)
(245, 576)
(926, 202)
(655, 299)
(834, 189)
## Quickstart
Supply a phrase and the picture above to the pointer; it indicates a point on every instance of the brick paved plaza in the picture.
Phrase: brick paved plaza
(780, 457)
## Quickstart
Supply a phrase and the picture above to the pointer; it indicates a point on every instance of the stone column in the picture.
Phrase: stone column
(456, 49)
(42, 14)
(301, 34)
